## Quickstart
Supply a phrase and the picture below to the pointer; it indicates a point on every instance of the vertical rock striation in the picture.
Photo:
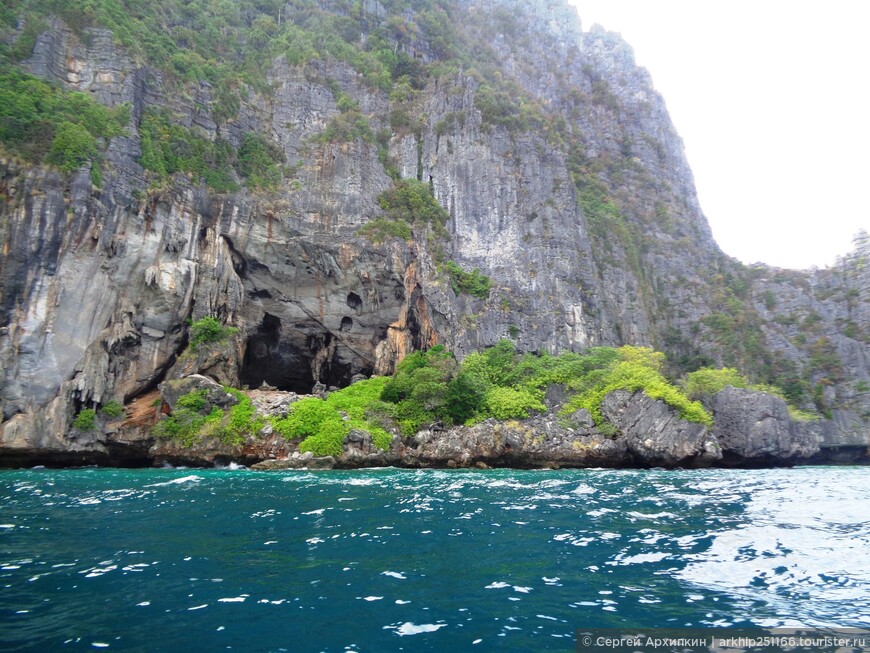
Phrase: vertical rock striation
(577, 201)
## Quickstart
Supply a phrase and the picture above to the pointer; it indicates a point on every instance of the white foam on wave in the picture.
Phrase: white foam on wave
(409, 628)
(497, 585)
(232, 466)
(394, 574)
(654, 515)
(234, 599)
(98, 571)
(639, 559)
(193, 478)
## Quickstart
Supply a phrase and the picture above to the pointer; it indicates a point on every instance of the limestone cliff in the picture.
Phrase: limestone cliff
(563, 177)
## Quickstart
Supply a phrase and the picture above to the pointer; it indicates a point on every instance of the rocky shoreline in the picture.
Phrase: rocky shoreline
(752, 429)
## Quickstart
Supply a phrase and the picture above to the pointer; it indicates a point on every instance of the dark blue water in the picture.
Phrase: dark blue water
(391, 560)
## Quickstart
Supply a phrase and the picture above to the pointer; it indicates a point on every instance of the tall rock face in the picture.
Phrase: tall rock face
(563, 178)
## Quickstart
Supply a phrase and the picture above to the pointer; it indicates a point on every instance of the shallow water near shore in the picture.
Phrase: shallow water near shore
(392, 560)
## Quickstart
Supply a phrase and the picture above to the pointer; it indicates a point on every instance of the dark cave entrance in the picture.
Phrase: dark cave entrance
(288, 361)
(270, 359)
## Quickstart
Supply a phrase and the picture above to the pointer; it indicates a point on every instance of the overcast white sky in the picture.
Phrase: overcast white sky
(772, 100)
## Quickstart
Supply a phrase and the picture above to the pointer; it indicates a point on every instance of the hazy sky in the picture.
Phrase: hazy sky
(771, 98)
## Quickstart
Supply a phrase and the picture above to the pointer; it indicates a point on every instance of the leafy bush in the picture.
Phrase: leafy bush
(327, 441)
(168, 148)
(112, 409)
(207, 330)
(346, 128)
(355, 399)
(323, 429)
(508, 403)
(43, 123)
(190, 423)
(231, 426)
(85, 420)
(708, 381)
(381, 229)
(187, 419)
(634, 376)
(258, 162)
(72, 147)
(306, 416)
(411, 201)
(473, 283)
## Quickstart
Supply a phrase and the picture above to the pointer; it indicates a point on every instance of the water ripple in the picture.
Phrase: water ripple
(495, 559)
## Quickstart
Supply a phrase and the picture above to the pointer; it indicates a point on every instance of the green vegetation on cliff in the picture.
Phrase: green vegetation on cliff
(635, 369)
(168, 148)
(432, 387)
(208, 330)
(473, 283)
(323, 424)
(195, 419)
(706, 382)
(44, 124)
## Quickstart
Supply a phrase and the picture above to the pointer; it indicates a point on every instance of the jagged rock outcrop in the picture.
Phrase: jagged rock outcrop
(755, 428)
(655, 435)
(577, 202)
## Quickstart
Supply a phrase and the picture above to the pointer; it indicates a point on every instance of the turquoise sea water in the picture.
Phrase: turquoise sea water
(398, 560)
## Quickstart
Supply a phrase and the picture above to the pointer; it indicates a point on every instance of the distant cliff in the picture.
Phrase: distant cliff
(269, 174)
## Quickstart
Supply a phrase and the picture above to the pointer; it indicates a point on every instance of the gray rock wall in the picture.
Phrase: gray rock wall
(97, 284)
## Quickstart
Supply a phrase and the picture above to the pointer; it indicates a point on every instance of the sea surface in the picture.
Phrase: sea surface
(407, 560)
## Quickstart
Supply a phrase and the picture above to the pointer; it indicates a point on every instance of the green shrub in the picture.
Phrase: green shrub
(208, 330)
(346, 128)
(168, 148)
(190, 423)
(473, 283)
(72, 147)
(188, 418)
(241, 419)
(355, 399)
(411, 201)
(508, 403)
(327, 440)
(85, 420)
(708, 381)
(43, 123)
(258, 162)
(633, 377)
(305, 418)
(112, 409)
(465, 397)
(381, 229)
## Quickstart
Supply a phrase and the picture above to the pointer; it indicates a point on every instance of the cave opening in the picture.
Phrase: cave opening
(295, 360)
(272, 360)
